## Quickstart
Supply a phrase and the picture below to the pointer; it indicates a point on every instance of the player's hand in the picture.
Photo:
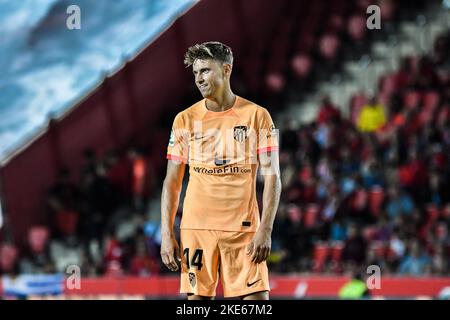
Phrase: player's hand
(260, 246)
(170, 252)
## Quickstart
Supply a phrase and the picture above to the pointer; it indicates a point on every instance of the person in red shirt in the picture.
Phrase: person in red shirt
(328, 112)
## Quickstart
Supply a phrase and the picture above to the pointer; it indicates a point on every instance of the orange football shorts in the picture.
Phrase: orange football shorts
(208, 254)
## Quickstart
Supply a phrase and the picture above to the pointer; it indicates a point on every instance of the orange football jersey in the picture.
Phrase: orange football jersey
(222, 151)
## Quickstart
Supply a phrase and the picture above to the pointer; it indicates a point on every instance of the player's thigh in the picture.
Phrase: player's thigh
(240, 276)
(199, 262)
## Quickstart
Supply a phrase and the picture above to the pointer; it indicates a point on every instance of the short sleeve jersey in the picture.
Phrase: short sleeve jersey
(222, 150)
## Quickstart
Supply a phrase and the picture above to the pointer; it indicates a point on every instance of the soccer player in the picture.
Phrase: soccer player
(225, 139)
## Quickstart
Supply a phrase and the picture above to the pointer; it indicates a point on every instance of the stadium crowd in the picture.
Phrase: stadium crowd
(371, 188)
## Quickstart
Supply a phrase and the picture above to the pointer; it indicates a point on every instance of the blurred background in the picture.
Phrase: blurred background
(364, 120)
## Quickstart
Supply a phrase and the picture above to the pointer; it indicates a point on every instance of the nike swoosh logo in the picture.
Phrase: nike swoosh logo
(218, 162)
(250, 284)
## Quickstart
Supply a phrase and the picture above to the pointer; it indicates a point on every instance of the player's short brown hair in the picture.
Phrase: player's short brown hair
(209, 50)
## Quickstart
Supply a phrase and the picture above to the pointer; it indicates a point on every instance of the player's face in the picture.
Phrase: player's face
(210, 77)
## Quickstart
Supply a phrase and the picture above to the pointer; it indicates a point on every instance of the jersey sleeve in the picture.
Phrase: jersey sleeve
(267, 133)
(178, 147)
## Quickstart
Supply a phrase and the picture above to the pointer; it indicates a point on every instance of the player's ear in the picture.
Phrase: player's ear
(227, 69)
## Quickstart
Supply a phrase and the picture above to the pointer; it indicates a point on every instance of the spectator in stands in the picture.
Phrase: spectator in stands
(413, 175)
(140, 179)
(372, 116)
(384, 229)
(37, 258)
(331, 163)
(89, 267)
(328, 112)
(293, 237)
(142, 263)
(113, 255)
(398, 203)
(64, 202)
(349, 164)
(101, 202)
(371, 173)
(9, 259)
(416, 262)
(437, 191)
(440, 262)
(337, 232)
(355, 246)
(424, 76)
(119, 174)
(375, 257)
(396, 249)
(288, 174)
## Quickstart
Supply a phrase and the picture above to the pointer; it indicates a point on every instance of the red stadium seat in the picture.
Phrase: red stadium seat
(311, 216)
(275, 82)
(446, 212)
(383, 98)
(441, 230)
(369, 233)
(8, 257)
(443, 115)
(320, 256)
(38, 238)
(336, 252)
(294, 213)
(301, 66)
(388, 83)
(425, 117)
(387, 8)
(329, 46)
(359, 200)
(432, 213)
(376, 198)
(411, 99)
(431, 100)
(336, 256)
(357, 27)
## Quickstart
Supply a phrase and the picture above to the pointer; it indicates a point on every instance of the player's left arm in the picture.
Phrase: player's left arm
(261, 244)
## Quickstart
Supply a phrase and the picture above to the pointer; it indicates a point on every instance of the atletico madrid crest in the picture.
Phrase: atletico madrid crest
(192, 279)
(240, 133)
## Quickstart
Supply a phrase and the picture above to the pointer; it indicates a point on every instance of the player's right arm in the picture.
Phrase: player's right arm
(169, 205)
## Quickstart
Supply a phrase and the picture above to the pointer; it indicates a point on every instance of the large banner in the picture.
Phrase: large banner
(29, 284)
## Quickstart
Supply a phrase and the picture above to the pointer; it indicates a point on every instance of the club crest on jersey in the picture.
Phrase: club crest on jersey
(192, 280)
(240, 133)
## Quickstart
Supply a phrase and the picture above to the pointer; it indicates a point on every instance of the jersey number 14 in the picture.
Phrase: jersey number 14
(196, 259)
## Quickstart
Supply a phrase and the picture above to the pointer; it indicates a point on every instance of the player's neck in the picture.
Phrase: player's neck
(221, 103)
